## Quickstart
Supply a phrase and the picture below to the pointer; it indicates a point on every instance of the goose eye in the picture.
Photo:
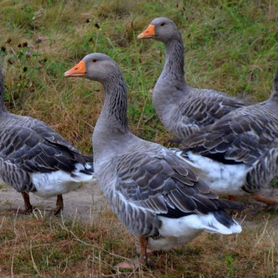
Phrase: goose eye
(162, 24)
(94, 60)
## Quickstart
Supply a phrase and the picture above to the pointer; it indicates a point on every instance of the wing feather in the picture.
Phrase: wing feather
(240, 137)
(33, 153)
(164, 184)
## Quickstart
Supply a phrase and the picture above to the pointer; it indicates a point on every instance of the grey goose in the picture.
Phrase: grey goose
(182, 109)
(239, 153)
(34, 158)
(154, 192)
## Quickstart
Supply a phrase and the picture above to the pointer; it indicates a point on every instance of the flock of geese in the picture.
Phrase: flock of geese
(166, 197)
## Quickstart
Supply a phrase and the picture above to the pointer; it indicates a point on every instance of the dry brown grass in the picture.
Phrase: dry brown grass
(47, 246)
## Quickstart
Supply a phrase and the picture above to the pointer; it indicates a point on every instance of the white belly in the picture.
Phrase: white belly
(176, 232)
(221, 178)
(59, 182)
(174, 236)
(52, 184)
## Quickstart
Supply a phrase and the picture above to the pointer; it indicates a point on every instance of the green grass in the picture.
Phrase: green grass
(230, 46)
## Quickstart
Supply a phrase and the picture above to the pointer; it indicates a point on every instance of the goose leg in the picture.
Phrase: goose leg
(27, 204)
(265, 200)
(135, 264)
(59, 204)
(143, 250)
(232, 198)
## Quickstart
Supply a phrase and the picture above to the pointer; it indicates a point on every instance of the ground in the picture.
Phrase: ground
(87, 240)
(231, 46)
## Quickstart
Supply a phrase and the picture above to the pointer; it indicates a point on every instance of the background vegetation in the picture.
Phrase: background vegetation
(231, 46)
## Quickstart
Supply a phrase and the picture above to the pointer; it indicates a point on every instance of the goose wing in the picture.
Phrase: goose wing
(164, 184)
(240, 137)
(33, 153)
(207, 107)
(48, 133)
(263, 171)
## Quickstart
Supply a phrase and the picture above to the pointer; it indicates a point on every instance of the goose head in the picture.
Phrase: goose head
(96, 66)
(161, 29)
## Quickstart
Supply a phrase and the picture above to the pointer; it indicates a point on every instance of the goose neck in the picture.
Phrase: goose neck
(115, 103)
(274, 96)
(2, 93)
(174, 65)
(111, 131)
(112, 123)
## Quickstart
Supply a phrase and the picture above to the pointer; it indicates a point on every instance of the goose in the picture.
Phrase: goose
(34, 158)
(154, 192)
(182, 109)
(239, 153)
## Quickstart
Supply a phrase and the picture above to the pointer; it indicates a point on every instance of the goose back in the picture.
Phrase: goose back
(246, 136)
(28, 146)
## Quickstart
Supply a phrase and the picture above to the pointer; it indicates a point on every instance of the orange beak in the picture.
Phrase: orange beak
(148, 33)
(78, 70)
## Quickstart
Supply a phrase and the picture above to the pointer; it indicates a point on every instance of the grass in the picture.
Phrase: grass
(231, 46)
(46, 246)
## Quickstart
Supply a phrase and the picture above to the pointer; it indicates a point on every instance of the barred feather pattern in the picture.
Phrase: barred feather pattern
(144, 181)
(152, 181)
(19, 179)
(249, 136)
(201, 108)
(116, 99)
(262, 172)
(29, 146)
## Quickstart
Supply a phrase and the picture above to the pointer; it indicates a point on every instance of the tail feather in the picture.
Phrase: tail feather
(83, 172)
(231, 205)
(222, 223)
(88, 168)
(224, 218)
